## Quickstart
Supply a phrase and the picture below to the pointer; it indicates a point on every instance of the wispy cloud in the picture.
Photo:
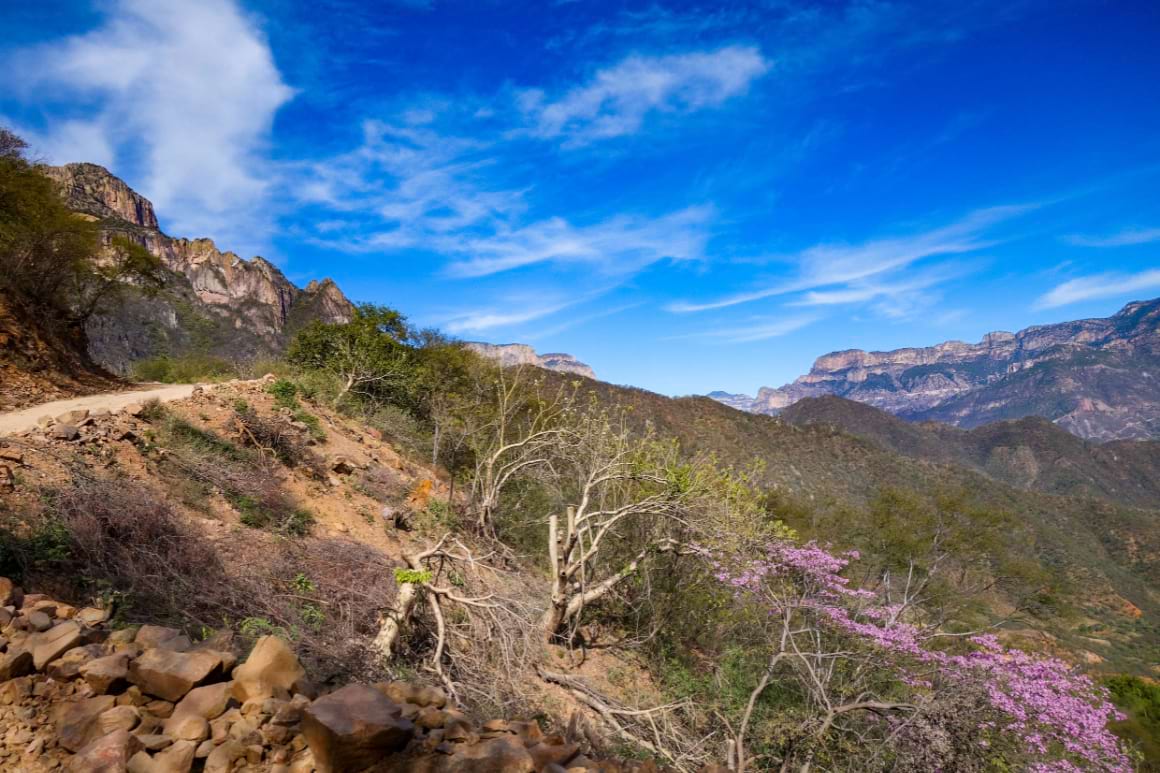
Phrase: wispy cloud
(1121, 239)
(758, 329)
(622, 244)
(577, 321)
(414, 181)
(848, 268)
(482, 320)
(1105, 285)
(617, 100)
(183, 92)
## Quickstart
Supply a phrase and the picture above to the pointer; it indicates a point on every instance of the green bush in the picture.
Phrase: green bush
(285, 393)
(1140, 702)
(183, 370)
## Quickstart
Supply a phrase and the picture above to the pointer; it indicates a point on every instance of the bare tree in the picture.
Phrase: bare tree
(517, 430)
(628, 498)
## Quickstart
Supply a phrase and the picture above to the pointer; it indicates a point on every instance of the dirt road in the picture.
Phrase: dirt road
(18, 421)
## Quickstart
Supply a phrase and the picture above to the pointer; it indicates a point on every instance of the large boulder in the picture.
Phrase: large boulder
(498, 755)
(51, 644)
(272, 670)
(170, 675)
(352, 728)
(208, 702)
(77, 723)
(108, 754)
(11, 594)
(68, 666)
(161, 637)
(107, 674)
(17, 661)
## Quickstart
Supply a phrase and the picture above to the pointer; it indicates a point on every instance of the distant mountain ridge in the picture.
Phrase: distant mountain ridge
(212, 301)
(1097, 378)
(511, 355)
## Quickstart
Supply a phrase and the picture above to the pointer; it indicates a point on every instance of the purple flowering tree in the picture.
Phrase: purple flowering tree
(883, 683)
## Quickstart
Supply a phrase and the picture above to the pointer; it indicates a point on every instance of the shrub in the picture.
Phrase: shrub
(183, 370)
(285, 393)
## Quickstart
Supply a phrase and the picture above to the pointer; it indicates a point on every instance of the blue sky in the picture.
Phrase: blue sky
(687, 196)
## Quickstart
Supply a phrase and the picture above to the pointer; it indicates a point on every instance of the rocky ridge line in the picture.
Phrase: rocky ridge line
(1105, 373)
(250, 306)
(512, 355)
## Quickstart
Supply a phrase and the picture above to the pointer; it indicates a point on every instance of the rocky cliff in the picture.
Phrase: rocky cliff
(511, 355)
(213, 301)
(1098, 378)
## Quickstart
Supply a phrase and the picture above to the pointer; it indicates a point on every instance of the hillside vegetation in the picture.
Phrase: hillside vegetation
(661, 583)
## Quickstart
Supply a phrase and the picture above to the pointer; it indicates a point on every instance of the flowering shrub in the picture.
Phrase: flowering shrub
(1052, 719)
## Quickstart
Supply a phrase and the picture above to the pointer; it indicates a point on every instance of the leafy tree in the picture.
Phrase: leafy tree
(369, 356)
(53, 261)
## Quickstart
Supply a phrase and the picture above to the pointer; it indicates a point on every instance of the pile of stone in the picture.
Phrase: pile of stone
(77, 695)
(84, 426)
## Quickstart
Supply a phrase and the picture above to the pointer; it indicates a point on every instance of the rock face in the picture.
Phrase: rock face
(212, 300)
(1098, 378)
(511, 355)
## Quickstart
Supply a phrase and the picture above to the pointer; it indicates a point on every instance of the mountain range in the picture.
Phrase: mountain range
(1096, 378)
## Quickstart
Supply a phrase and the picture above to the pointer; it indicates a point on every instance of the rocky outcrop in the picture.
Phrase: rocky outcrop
(512, 355)
(91, 189)
(1099, 378)
(213, 300)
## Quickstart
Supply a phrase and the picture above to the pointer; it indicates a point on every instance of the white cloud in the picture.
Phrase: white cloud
(759, 329)
(1106, 285)
(416, 183)
(184, 92)
(848, 268)
(619, 245)
(482, 320)
(1121, 239)
(616, 100)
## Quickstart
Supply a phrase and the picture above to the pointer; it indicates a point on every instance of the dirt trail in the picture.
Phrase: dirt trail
(19, 421)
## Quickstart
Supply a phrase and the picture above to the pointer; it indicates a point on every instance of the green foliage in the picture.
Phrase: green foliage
(313, 424)
(412, 576)
(285, 393)
(186, 369)
(52, 261)
(253, 512)
(303, 584)
(1140, 702)
(47, 543)
(368, 356)
(312, 615)
(257, 627)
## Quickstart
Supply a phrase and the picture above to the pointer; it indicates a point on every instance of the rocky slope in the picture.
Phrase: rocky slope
(213, 301)
(77, 694)
(511, 355)
(1098, 378)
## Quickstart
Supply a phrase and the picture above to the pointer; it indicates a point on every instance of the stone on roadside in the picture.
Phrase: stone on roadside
(75, 417)
(170, 675)
(51, 644)
(76, 723)
(64, 432)
(353, 727)
(162, 637)
(107, 674)
(108, 754)
(208, 702)
(271, 670)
